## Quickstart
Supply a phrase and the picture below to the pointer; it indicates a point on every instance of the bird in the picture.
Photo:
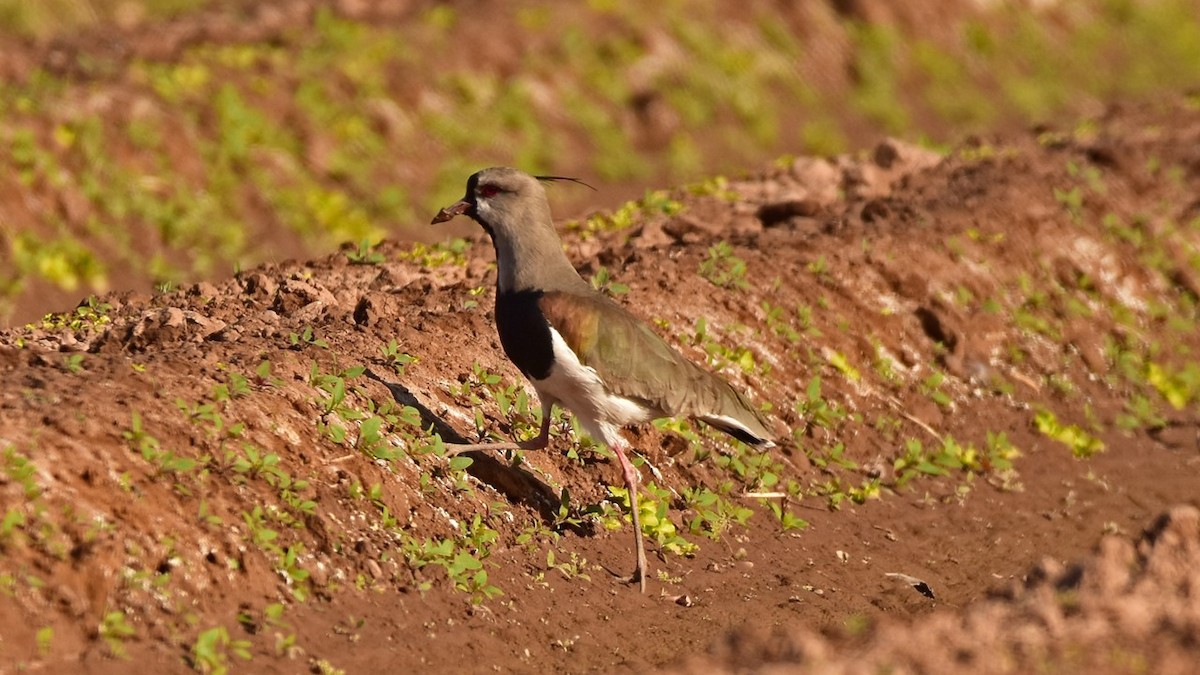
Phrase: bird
(579, 348)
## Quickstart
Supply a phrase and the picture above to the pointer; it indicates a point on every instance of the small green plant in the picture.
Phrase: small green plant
(818, 411)
(839, 361)
(394, 357)
(787, 519)
(819, 268)
(451, 252)
(1140, 412)
(1082, 444)
(932, 388)
(336, 390)
(570, 569)
(306, 337)
(365, 254)
(20, 470)
(719, 355)
(323, 666)
(1179, 386)
(714, 514)
(833, 457)
(464, 568)
(14, 518)
(115, 629)
(212, 649)
(73, 363)
(289, 567)
(655, 202)
(781, 324)
(868, 489)
(45, 640)
(723, 268)
(884, 364)
(165, 461)
(652, 507)
(603, 282)
(235, 386)
(91, 314)
(258, 531)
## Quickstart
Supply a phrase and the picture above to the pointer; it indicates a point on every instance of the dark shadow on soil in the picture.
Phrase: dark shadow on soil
(515, 483)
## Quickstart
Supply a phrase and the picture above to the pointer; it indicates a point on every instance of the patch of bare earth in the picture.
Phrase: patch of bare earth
(935, 298)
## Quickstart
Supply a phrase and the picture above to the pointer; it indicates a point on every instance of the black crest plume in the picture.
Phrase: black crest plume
(551, 179)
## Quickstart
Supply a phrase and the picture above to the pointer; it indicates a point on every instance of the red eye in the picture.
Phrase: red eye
(488, 191)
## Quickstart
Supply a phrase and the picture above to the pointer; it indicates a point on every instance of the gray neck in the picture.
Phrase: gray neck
(534, 263)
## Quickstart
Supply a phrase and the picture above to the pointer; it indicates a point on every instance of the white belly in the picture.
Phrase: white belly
(578, 388)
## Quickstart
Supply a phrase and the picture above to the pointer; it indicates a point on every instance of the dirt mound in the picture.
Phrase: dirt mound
(984, 359)
(1129, 607)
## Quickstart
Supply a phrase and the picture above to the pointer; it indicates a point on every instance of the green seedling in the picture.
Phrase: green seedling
(1140, 412)
(787, 519)
(45, 640)
(723, 268)
(833, 458)
(212, 649)
(288, 566)
(1179, 387)
(464, 568)
(571, 569)
(781, 324)
(602, 281)
(653, 506)
(365, 254)
(165, 461)
(817, 411)
(842, 364)
(719, 355)
(73, 363)
(452, 252)
(236, 386)
(297, 341)
(20, 470)
(263, 377)
(394, 357)
(115, 630)
(714, 514)
(932, 388)
(1081, 443)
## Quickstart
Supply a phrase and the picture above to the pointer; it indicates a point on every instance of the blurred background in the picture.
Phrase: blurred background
(155, 142)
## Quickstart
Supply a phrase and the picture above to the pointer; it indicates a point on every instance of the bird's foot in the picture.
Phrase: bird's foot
(639, 578)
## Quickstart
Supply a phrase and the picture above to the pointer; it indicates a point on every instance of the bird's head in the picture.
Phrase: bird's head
(502, 199)
(511, 206)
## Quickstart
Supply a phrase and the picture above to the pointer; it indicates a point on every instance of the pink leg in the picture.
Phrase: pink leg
(632, 478)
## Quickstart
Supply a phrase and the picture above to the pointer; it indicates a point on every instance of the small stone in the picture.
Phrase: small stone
(375, 570)
(310, 313)
(261, 285)
(203, 290)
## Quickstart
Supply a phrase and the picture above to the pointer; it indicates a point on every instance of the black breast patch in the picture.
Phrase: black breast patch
(524, 333)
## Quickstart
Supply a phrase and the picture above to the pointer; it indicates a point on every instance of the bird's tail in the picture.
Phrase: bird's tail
(736, 415)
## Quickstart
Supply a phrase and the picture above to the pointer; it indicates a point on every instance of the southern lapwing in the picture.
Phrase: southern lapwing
(579, 348)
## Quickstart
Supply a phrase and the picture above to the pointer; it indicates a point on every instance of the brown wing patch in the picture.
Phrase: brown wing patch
(634, 362)
(576, 319)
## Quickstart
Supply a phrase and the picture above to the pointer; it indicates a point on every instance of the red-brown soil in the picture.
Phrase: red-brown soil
(1046, 273)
